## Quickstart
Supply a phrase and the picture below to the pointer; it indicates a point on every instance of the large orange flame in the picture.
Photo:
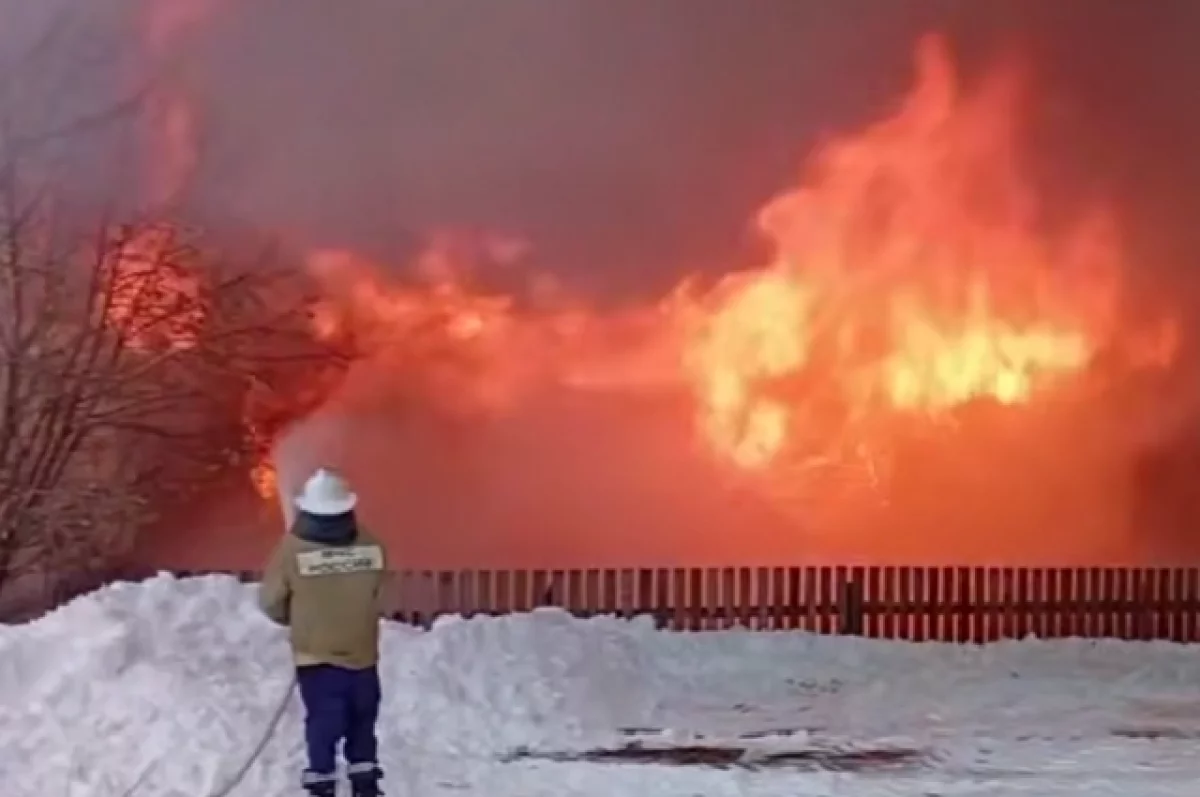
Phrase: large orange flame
(912, 274)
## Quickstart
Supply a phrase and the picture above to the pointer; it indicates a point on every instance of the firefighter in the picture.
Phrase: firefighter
(325, 583)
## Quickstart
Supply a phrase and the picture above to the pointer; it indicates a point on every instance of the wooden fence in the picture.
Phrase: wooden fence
(951, 604)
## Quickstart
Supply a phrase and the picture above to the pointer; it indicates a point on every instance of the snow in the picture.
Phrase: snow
(166, 688)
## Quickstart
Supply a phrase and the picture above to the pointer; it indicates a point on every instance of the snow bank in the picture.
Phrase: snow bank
(170, 684)
(194, 661)
(112, 688)
(490, 685)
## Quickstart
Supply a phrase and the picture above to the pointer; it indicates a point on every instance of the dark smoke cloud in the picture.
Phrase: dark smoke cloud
(71, 75)
(629, 141)
(633, 140)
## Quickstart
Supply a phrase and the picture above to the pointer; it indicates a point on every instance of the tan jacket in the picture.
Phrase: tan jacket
(330, 596)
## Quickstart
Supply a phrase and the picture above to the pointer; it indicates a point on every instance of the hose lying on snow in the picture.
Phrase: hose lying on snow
(255, 752)
(272, 726)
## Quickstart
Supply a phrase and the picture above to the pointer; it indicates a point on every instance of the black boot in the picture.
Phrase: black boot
(320, 785)
(366, 788)
(323, 789)
(366, 784)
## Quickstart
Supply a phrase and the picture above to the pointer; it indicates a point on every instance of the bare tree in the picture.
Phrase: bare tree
(140, 360)
(130, 346)
(125, 357)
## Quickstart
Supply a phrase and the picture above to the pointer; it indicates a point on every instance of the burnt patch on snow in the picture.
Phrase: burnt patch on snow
(766, 733)
(857, 760)
(1157, 733)
(810, 687)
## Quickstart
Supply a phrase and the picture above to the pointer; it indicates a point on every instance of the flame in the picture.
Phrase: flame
(152, 294)
(910, 277)
(440, 332)
(912, 274)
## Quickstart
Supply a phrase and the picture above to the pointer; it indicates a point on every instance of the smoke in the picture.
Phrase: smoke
(314, 442)
(630, 142)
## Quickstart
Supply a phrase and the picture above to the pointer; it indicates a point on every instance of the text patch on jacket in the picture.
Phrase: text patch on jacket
(339, 561)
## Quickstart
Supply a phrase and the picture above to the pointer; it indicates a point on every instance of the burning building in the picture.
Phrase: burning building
(931, 363)
(924, 369)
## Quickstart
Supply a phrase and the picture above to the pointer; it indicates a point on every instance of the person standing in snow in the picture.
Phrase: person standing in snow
(325, 582)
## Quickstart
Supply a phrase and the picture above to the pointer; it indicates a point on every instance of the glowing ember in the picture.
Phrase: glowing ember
(265, 479)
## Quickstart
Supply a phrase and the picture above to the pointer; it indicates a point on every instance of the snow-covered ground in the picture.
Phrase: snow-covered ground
(164, 689)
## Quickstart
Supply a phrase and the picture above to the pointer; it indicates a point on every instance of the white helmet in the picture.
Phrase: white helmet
(326, 494)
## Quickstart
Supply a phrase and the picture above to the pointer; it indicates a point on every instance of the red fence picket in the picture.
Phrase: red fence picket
(948, 604)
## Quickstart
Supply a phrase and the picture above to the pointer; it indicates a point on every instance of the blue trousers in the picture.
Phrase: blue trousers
(341, 705)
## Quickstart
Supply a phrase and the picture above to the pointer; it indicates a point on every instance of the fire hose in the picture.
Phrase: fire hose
(258, 749)
(239, 775)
